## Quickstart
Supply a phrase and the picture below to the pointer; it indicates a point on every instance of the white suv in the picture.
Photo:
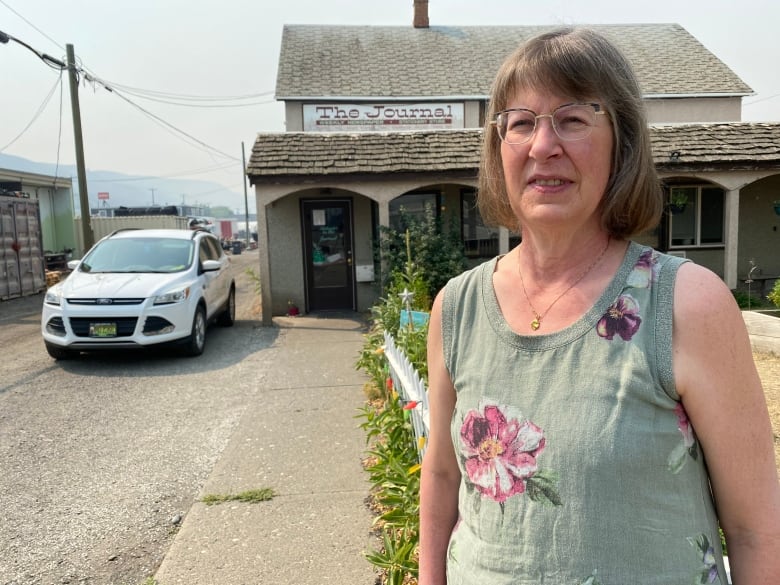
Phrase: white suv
(139, 287)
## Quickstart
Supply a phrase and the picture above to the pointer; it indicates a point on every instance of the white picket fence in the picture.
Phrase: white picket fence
(411, 389)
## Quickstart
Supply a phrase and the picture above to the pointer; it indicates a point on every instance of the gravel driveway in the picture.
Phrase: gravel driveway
(102, 457)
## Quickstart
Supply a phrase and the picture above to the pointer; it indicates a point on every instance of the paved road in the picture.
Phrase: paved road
(101, 457)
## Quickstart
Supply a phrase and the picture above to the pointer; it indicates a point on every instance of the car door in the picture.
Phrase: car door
(213, 287)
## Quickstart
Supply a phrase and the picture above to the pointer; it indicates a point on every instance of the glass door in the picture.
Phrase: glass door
(327, 241)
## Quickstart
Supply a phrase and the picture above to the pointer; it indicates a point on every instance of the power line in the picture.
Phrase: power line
(771, 97)
(167, 124)
(150, 93)
(38, 112)
(168, 176)
(4, 3)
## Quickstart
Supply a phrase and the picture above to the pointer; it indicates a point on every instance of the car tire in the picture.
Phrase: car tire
(197, 339)
(228, 316)
(58, 352)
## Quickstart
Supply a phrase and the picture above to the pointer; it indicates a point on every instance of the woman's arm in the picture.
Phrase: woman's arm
(440, 476)
(721, 392)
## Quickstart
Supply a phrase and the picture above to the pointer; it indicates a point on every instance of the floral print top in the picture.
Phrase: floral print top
(578, 462)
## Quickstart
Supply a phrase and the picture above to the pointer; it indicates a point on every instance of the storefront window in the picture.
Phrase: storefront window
(696, 216)
(412, 207)
(479, 241)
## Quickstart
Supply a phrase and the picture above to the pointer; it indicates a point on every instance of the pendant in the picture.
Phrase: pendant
(535, 324)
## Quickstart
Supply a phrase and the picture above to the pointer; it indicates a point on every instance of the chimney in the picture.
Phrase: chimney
(420, 14)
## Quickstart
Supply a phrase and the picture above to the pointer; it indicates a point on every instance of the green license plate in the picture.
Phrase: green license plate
(102, 329)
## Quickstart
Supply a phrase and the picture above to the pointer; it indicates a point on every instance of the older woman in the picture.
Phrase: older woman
(595, 411)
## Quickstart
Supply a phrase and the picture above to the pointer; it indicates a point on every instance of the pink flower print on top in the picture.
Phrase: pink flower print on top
(687, 447)
(501, 455)
(684, 425)
(622, 319)
(645, 271)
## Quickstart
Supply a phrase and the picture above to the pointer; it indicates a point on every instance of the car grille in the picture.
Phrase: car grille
(125, 326)
(104, 301)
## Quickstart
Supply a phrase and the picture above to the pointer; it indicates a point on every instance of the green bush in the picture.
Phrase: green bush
(774, 296)
(746, 301)
(436, 249)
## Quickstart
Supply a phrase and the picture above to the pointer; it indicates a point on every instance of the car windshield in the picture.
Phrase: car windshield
(160, 255)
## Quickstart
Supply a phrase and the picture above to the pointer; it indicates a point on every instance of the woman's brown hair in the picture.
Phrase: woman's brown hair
(583, 65)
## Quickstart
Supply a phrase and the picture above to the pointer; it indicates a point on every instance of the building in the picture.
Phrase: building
(36, 230)
(380, 118)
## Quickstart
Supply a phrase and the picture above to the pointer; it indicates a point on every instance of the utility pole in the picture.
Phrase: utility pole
(86, 223)
(152, 190)
(246, 202)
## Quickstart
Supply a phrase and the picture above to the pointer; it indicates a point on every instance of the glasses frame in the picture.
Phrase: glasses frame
(598, 109)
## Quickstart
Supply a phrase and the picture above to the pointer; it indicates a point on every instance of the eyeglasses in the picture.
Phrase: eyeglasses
(570, 122)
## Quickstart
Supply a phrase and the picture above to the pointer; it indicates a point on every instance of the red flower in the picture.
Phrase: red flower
(411, 405)
(389, 383)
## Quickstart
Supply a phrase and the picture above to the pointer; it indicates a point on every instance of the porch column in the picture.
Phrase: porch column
(263, 248)
(384, 221)
(731, 236)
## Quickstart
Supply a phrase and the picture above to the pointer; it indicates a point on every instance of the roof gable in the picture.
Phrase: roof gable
(388, 62)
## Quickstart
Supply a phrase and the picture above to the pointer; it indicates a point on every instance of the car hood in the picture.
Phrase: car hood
(118, 285)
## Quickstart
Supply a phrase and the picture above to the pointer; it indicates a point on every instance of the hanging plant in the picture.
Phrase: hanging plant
(678, 200)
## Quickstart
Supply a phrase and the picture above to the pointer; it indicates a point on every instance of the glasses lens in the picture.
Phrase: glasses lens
(574, 122)
(516, 126)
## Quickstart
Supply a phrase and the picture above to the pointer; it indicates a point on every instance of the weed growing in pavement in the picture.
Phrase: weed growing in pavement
(255, 280)
(249, 496)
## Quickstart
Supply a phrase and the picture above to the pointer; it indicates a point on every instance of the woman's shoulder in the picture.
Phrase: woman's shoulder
(473, 275)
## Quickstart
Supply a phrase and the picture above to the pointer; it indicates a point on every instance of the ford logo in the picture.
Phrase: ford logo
(103, 301)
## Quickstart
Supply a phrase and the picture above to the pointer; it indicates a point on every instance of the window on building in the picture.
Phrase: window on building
(479, 241)
(412, 207)
(696, 216)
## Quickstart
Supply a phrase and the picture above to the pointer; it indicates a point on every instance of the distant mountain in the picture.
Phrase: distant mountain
(135, 191)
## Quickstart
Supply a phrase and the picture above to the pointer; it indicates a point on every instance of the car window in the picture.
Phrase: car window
(215, 247)
(139, 255)
(207, 251)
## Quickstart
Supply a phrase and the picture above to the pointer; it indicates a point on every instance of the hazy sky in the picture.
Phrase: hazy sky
(194, 51)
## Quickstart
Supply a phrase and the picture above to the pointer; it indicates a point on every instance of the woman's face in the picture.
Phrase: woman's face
(551, 182)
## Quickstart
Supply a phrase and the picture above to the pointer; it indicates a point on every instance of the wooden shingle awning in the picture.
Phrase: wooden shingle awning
(683, 147)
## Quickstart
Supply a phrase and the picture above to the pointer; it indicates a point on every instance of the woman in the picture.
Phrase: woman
(586, 391)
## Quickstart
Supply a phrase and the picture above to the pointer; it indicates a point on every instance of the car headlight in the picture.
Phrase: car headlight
(175, 296)
(53, 296)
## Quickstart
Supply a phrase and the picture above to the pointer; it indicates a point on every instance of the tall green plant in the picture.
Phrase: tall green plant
(436, 248)
(394, 471)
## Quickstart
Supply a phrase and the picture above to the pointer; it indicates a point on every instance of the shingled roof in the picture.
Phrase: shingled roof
(394, 62)
(299, 155)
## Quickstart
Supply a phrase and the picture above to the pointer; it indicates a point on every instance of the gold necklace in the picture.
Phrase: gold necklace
(537, 322)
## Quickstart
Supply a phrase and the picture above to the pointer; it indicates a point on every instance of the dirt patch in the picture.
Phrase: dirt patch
(768, 366)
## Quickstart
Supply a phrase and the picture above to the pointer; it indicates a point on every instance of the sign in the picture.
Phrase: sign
(417, 318)
(103, 196)
(382, 117)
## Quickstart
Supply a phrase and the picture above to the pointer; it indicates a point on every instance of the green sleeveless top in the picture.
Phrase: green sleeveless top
(578, 463)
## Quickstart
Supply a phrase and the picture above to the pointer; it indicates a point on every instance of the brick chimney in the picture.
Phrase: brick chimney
(420, 14)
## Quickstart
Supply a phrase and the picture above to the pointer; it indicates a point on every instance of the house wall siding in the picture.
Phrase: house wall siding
(693, 110)
(757, 218)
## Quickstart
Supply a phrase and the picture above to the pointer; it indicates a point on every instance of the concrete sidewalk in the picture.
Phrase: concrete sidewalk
(300, 438)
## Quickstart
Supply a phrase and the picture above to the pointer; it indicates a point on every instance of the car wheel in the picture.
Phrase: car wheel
(228, 316)
(197, 339)
(59, 353)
